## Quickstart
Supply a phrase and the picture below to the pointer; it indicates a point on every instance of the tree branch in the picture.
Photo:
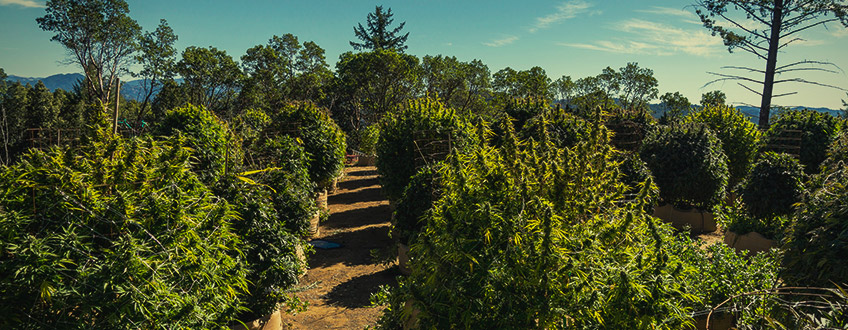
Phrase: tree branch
(750, 89)
(803, 81)
(744, 68)
(809, 26)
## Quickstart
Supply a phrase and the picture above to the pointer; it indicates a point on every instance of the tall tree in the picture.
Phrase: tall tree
(525, 83)
(15, 103)
(637, 85)
(763, 28)
(158, 59)
(674, 105)
(713, 98)
(461, 85)
(42, 111)
(370, 84)
(378, 34)
(99, 35)
(211, 78)
(4, 126)
(564, 89)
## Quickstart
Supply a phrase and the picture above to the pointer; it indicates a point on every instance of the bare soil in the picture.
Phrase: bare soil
(340, 281)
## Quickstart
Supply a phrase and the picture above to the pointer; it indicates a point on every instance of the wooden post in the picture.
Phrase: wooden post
(117, 104)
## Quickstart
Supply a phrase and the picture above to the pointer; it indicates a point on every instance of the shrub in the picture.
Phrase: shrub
(115, 235)
(368, 137)
(687, 163)
(739, 137)
(819, 130)
(773, 186)
(269, 245)
(206, 135)
(562, 128)
(818, 243)
(837, 153)
(423, 190)
(633, 171)
(323, 140)
(735, 217)
(396, 147)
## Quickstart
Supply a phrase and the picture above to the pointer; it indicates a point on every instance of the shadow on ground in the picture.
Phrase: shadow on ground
(358, 217)
(358, 196)
(357, 291)
(356, 247)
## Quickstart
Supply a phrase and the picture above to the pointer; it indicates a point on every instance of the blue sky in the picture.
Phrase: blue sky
(572, 37)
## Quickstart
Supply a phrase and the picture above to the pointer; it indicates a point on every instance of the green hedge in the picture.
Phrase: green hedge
(739, 137)
(818, 242)
(819, 130)
(396, 149)
(418, 197)
(115, 235)
(323, 140)
(687, 163)
(774, 185)
(532, 236)
(207, 136)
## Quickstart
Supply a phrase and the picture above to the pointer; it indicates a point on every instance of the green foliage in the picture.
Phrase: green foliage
(371, 84)
(735, 216)
(773, 186)
(545, 227)
(368, 138)
(418, 197)
(633, 171)
(323, 140)
(739, 137)
(713, 99)
(396, 148)
(157, 57)
(275, 206)
(687, 163)
(520, 110)
(675, 106)
(819, 130)
(210, 77)
(837, 154)
(533, 83)
(378, 36)
(463, 86)
(100, 37)
(818, 242)
(206, 135)
(115, 235)
(562, 128)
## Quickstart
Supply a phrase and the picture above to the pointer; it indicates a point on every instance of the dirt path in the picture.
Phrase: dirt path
(340, 281)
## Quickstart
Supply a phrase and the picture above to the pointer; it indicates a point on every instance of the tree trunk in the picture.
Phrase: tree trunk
(771, 63)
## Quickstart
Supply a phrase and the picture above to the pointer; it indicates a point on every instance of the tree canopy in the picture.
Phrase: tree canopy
(763, 28)
(378, 35)
(99, 35)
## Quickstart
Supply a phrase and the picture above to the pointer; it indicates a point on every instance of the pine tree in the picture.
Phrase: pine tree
(378, 35)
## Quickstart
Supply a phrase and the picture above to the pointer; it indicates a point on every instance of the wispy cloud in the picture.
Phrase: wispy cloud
(667, 11)
(645, 37)
(566, 10)
(22, 3)
(501, 42)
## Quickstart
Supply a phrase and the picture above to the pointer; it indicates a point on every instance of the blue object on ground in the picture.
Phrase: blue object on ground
(326, 245)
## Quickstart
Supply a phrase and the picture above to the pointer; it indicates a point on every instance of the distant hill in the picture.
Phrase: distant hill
(752, 112)
(64, 81)
(131, 90)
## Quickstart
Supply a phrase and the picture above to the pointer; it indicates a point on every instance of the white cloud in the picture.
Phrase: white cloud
(566, 10)
(22, 3)
(501, 42)
(645, 37)
(667, 11)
